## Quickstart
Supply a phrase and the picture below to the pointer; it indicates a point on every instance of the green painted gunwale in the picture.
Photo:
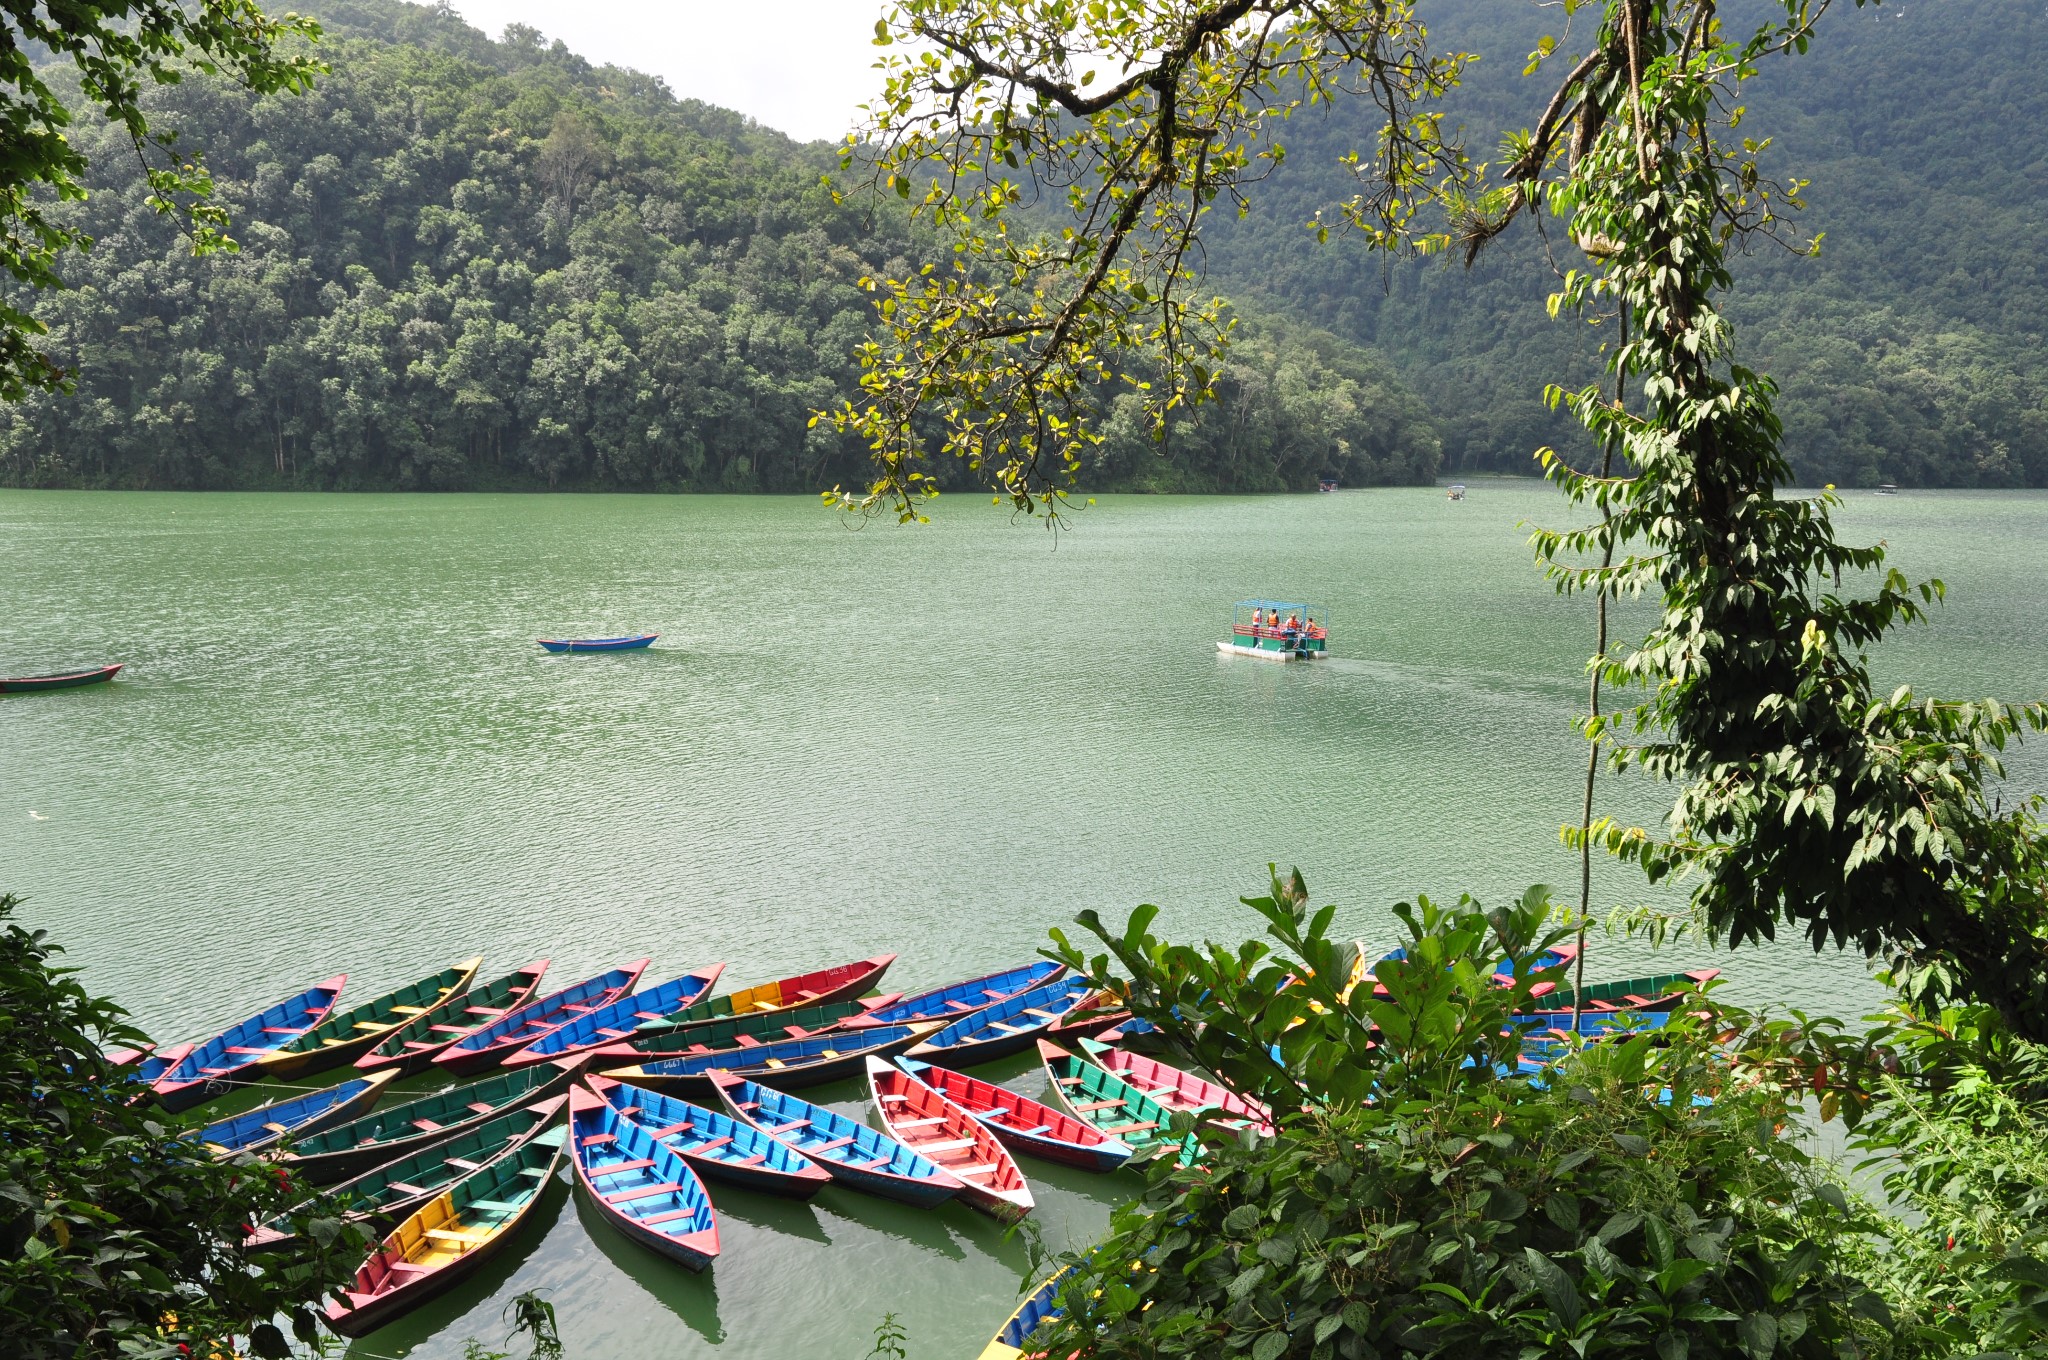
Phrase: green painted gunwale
(393, 1132)
(521, 983)
(1097, 1083)
(668, 1041)
(336, 1039)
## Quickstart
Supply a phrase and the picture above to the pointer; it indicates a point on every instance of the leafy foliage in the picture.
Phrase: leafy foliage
(117, 1236)
(116, 53)
(1907, 350)
(474, 264)
(1437, 1196)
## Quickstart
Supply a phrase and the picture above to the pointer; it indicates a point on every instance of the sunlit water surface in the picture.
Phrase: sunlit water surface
(336, 748)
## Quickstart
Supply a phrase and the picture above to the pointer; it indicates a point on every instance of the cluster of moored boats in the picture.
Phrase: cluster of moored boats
(646, 1093)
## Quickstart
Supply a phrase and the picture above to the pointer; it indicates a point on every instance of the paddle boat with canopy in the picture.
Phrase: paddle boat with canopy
(1277, 630)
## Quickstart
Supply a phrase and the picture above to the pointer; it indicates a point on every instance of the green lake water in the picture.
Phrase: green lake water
(336, 748)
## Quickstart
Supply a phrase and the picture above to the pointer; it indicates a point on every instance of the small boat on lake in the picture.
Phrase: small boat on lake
(851, 1152)
(787, 1062)
(29, 684)
(449, 1238)
(264, 1127)
(1007, 1027)
(715, 1144)
(611, 644)
(741, 1031)
(1659, 992)
(345, 1150)
(640, 1185)
(923, 1120)
(969, 995)
(821, 987)
(1179, 1091)
(388, 1194)
(1041, 1305)
(413, 1046)
(228, 1059)
(346, 1035)
(1113, 1105)
(1021, 1123)
(611, 1023)
(1274, 630)
(487, 1046)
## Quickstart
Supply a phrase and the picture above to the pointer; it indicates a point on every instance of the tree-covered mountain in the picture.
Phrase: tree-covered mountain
(1913, 349)
(470, 263)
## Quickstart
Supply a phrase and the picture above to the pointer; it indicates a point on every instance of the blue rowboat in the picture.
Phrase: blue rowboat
(616, 1022)
(1007, 1027)
(615, 644)
(641, 1187)
(267, 1125)
(487, 1047)
(1040, 1305)
(854, 1154)
(229, 1058)
(715, 1144)
(956, 999)
(787, 1062)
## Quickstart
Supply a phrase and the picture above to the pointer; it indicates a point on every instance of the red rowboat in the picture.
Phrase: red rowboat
(921, 1119)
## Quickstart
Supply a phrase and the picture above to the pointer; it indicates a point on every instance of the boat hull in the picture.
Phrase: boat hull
(292, 1064)
(229, 1059)
(320, 1116)
(330, 1168)
(988, 1176)
(414, 1055)
(924, 1191)
(540, 1019)
(648, 1171)
(1022, 1124)
(617, 644)
(957, 1000)
(716, 1145)
(754, 1064)
(988, 1034)
(34, 684)
(373, 1305)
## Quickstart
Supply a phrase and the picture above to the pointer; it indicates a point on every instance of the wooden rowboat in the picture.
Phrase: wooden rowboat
(617, 1021)
(1010, 1026)
(345, 1150)
(969, 995)
(641, 1186)
(29, 684)
(385, 1196)
(611, 644)
(1022, 1124)
(742, 1031)
(715, 1144)
(851, 1152)
(821, 987)
(787, 1062)
(264, 1127)
(1660, 992)
(491, 1044)
(1040, 1305)
(229, 1058)
(345, 1036)
(1114, 1106)
(1181, 1092)
(949, 1137)
(449, 1238)
(412, 1046)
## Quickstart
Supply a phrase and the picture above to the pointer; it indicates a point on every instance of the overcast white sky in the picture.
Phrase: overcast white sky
(800, 66)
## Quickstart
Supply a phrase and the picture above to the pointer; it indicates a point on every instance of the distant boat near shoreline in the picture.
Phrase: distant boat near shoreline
(612, 644)
(28, 684)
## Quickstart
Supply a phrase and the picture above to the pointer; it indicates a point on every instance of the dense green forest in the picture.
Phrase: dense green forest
(1911, 350)
(470, 263)
(475, 264)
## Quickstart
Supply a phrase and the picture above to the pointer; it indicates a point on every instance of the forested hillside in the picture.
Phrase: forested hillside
(1912, 350)
(474, 264)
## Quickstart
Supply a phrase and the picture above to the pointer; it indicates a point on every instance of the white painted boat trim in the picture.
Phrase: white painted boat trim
(1259, 653)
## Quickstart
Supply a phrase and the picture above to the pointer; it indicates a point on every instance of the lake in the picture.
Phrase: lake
(336, 748)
